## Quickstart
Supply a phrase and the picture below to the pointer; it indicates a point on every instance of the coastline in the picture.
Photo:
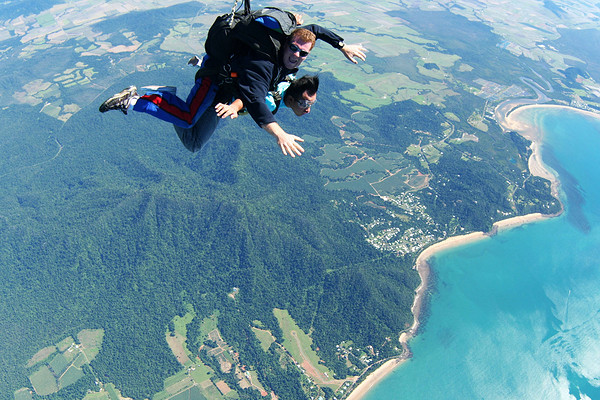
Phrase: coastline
(423, 268)
(374, 377)
(509, 122)
(532, 132)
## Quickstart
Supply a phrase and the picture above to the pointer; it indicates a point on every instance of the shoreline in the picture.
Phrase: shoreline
(508, 122)
(424, 269)
(374, 378)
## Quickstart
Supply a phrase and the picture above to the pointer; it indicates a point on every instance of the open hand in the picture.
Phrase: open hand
(353, 51)
(289, 144)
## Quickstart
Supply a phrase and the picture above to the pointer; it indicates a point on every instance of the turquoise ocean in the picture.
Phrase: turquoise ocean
(517, 316)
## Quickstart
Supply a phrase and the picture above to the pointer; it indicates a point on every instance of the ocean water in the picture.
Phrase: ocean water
(517, 316)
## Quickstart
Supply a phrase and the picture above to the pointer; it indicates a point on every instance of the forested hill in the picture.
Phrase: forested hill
(124, 226)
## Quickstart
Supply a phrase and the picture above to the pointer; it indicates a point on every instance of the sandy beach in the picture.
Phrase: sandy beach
(510, 122)
(374, 378)
(422, 267)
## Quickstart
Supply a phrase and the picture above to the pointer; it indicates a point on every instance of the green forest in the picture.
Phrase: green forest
(124, 227)
(107, 222)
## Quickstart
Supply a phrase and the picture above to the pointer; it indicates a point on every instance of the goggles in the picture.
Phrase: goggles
(295, 49)
(304, 104)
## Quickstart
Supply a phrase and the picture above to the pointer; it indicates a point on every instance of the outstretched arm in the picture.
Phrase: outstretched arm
(350, 51)
(288, 143)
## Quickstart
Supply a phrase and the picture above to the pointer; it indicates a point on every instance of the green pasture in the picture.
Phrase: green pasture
(185, 383)
(45, 20)
(208, 325)
(255, 381)
(430, 73)
(81, 360)
(300, 343)
(52, 110)
(212, 393)
(23, 394)
(367, 173)
(71, 376)
(91, 339)
(112, 391)
(58, 364)
(392, 161)
(451, 116)
(173, 385)
(392, 185)
(364, 117)
(202, 372)
(432, 153)
(340, 122)
(182, 322)
(43, 381)
(336, 154)
(184, 380)
(172, 380)
(360, 167)
(99, 396)
(417, 181)
(264, 337)
(477, 121)
(65, 343)
(359, 185)
(414, 150)
(192, 393)
(41, 355)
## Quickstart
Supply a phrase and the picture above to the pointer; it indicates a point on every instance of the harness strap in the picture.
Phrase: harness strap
(234, 9)
(277, 99)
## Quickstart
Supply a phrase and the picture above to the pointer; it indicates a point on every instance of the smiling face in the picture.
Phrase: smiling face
(302, 106)
(295, 52)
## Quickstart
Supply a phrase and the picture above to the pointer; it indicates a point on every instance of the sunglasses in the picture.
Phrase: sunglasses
(295, 49)
(304, 104)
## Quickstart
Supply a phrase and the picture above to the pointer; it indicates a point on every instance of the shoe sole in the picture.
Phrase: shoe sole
(110, 103)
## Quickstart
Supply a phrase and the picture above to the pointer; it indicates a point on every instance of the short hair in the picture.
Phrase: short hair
(308, 83)
(303, 35)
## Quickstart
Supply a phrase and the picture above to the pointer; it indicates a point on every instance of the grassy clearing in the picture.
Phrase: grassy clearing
(58, 364)
(43, 381)
(65, 343)
(110, 393)
(201, 372)
(264, 337)
(41, 355)
(180, 386)
(98, 396)
(298, 343)
(91, 337)
(23, 394)
(71, 376)
(182, 322)
(91, 340)
(208, 325)
(192, 382)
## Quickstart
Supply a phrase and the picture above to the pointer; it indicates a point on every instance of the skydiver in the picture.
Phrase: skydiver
(256, 76)
(298, 95)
